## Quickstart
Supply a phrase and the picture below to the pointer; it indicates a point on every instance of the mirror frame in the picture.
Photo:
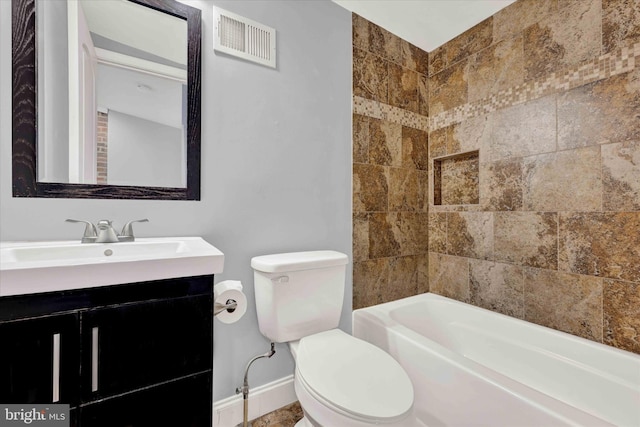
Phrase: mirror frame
(24, 109)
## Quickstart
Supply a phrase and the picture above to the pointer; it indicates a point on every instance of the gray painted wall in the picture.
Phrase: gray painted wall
(142, 152)
(276, 165)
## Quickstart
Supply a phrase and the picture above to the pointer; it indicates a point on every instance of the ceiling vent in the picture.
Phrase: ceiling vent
(244, 38)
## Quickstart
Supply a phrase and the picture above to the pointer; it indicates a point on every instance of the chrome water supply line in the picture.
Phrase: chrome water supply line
(245, 385)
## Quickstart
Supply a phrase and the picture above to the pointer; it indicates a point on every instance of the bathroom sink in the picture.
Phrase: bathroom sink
(32, 267)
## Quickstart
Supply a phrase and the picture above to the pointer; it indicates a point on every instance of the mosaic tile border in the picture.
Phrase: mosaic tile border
(379, 110)
(604, 66)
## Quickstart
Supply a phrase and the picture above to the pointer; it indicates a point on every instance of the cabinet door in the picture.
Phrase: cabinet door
(137, 345)
(183, 403)
(39, 360)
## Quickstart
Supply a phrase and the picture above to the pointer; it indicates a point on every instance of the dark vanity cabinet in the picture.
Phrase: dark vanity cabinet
(39, 359)
(129, 355)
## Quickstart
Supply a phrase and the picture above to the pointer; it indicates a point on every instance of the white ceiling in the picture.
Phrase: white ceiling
(425, 23)
(139, 27)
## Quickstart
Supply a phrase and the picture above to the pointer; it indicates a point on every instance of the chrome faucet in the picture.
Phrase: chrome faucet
(103, 231)
(106, 233)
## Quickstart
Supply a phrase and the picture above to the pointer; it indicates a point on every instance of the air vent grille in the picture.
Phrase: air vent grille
(232, 33)
(244, 38)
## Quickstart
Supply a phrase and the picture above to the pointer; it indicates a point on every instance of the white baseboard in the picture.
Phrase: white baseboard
(262, 400)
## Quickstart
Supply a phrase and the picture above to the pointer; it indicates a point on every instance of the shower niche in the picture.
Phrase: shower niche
(456, 179)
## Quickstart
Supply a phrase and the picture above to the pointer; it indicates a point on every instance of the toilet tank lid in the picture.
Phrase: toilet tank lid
(296, 261)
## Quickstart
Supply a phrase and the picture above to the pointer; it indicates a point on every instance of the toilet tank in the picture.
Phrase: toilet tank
(298, 294)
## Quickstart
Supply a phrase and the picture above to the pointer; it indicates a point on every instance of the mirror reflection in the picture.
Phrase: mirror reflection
(112, 94)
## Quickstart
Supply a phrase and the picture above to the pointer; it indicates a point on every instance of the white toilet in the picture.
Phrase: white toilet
(340, 380)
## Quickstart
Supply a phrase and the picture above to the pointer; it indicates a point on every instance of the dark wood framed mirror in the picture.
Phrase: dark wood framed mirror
(25, 164)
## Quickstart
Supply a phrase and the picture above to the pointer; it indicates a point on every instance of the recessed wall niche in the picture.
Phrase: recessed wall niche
(456, 179)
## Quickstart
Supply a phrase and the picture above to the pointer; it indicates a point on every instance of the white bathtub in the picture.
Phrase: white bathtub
(474, 367)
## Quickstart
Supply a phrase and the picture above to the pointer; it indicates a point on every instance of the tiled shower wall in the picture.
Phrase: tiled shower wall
(548, 93)
(390, 166)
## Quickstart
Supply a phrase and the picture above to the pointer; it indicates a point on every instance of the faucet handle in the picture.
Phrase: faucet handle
(127, 230)
(90, 234)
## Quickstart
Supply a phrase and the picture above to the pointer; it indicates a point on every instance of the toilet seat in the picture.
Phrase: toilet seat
(353, 377)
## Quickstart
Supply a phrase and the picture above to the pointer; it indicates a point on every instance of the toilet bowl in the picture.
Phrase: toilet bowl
(343, 381)
(340, 381)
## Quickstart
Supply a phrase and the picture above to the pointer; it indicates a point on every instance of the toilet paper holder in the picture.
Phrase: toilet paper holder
(229, 303)
(230, 306)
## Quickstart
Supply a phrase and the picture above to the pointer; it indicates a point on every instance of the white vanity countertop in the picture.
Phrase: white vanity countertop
(34, 267)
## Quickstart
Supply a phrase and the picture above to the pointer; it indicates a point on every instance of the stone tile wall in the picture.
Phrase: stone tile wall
(548, 92)
(390, 166)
